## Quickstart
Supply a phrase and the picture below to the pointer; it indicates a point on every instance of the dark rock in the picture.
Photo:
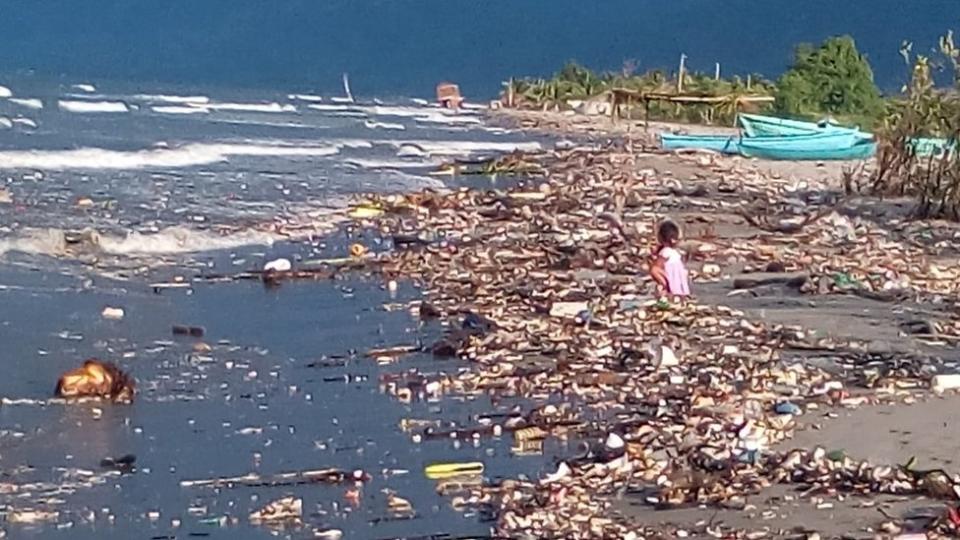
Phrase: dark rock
(749, 281)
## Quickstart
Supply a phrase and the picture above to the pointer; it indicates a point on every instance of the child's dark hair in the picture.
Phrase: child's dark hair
(668, 234)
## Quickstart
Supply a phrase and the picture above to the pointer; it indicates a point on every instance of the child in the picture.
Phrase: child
(666, 266)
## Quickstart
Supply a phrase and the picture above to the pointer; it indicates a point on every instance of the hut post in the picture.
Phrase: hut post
(646, 113)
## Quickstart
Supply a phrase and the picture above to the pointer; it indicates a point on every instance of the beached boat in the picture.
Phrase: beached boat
(726, 144)
(756, 125)
(731, 144)
(932, 146)
(861, 149)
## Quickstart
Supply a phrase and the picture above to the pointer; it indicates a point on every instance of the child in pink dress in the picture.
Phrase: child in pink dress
(667, 267)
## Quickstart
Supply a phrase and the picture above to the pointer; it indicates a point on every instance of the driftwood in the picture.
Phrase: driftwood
(763, 222)
(295, 478)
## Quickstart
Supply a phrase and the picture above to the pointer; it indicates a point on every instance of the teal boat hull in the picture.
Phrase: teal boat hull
(725, 144)
(862, 149)
(932, 146)
(756, 125)
(732, 144)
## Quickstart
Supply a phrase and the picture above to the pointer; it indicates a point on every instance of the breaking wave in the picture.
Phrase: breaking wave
(251, 107)
(384, 125)
(26, 122)
(176, 109)
(30, 103)
(93, 106)
(305, 97)
(170, 241)
(461, 148)
(5, 92)
(184, 156)
(84, 87)
(424, 114)
(331, 107)
(165, 98)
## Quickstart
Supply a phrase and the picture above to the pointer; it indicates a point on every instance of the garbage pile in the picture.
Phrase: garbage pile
(542, 288)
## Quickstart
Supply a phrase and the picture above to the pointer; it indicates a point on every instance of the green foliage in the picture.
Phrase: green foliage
(919, 136)
(833, 79)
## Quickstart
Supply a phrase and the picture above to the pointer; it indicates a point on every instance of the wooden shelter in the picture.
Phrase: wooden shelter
(448, 95)
(621, 96)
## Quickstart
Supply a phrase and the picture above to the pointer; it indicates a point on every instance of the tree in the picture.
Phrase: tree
(831, 79)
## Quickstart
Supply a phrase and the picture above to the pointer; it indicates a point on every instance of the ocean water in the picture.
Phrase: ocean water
(157, 172)
(160, 181)
(404, 47)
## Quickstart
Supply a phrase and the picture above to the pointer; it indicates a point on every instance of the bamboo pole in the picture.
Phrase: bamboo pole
(680, 73)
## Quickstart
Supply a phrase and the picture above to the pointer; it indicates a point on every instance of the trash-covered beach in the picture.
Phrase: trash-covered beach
(485, 357)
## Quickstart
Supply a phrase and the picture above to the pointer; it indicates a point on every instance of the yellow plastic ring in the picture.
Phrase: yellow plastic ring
(358, 250)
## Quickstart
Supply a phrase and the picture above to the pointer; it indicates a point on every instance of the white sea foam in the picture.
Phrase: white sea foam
(329, 107)
(411, 150)
(251, 107)
(341, 99)
(25, 122)
(413, 181)
(169, 241)
(177, 109)
(5, 92)
(460, 148)
(357, 143)
(367, 163)
(420, 101)
(30, 103)
(84, 87)
(93, 106)
(384, 125)
(166, 98)
(183, 156)
(305, 97)
(5, 123)
(177, 240)
(424, 114)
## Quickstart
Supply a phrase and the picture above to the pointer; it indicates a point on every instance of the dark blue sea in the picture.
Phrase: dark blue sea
(403, 47)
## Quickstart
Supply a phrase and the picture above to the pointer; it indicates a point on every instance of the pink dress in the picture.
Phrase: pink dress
(677, 279)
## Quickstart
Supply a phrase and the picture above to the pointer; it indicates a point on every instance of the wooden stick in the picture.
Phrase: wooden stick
(331, 476)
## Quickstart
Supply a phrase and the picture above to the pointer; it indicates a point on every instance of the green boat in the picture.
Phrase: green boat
(861, 149)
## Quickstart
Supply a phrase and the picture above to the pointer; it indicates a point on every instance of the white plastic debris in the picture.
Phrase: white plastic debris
(941, 383)
(567, 309)
(278, 265)
(614, 442)
(112, 313)
(563, 471)
(662, 355)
